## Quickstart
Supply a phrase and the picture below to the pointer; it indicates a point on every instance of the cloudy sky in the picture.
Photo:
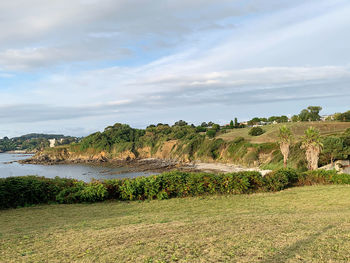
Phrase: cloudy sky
(76, 66)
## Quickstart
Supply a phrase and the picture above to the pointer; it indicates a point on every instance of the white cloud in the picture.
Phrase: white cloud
(229, 54)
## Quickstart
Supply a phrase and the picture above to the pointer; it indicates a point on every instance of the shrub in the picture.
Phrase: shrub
(340, 178)
(256, 131)
(113, 188)
(92, 192)
(201, 129)
(316, 177)
(71, 194)
(276, 181)
(211, 133)
(28, 190)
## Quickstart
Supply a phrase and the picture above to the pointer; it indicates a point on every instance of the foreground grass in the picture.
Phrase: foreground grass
(307, 224)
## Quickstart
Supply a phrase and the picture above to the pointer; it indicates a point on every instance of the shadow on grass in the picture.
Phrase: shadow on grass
(289, 252)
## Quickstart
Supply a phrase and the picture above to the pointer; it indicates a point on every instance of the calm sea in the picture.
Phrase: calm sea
(82, 172)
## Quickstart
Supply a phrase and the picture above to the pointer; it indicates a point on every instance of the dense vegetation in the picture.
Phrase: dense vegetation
(195, 144)
(33, 141)
(28, 190)
(256, 131)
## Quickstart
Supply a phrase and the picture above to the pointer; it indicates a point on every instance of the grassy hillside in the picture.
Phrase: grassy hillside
(298, 129)
(306, 224)
(188, 143)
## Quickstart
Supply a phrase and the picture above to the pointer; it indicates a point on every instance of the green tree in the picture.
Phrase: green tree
(216, 127)
(304, 115)
(332, 147)
(231, 124)
(236, 123)
(256, 131)
(285, 140)
(211, 133)
(180, 123)
(295, 118)
(344, 116)
(313, 146)
(314, 112)
(254, 121)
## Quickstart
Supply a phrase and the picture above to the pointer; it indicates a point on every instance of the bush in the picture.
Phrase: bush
(256, 131)
(316, 177)
(276, 181)
(28, 190)
(211, 133)
(92, 192)
(340, 178)
(201, 129)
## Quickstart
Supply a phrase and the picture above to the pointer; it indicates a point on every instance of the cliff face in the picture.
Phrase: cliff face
(172, 150)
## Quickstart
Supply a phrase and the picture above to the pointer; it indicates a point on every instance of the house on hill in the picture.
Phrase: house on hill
(52, 142)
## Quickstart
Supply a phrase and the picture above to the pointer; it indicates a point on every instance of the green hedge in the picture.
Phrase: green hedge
(29, 190)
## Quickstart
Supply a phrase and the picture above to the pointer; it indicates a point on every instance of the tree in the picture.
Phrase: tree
(337, 116)
(310, 114)
(216, 127)
(313, 146)
(256, 131)
(180, 123)
(344, 116)
(231, 124)
(204, 124)
(211, 133)
(254, 121)
(295, 118)
(304, 115)
(236, 123)
(210, 124)
(314, 112)
(283, 118)
(333, 146)
(285, 140)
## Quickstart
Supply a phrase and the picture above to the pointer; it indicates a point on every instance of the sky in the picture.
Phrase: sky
(75, 67)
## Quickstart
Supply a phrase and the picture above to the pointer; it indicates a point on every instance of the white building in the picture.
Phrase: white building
(52, 142)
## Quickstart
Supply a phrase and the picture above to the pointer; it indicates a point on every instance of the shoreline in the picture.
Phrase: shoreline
(152, 165)
(19, 152)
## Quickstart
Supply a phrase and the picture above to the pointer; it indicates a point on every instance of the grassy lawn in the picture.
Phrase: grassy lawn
(306, 224)
(298, 128)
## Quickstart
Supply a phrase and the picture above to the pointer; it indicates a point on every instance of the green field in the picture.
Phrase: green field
(306, 224)
(298, 129)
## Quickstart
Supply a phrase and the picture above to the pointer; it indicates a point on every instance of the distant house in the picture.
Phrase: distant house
(52, 142)
(327, 117)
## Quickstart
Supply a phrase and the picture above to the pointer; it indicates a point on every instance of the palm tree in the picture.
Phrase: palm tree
(285, 140)
(313, 147)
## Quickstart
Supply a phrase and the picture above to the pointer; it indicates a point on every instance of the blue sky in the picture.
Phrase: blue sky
(74, 67)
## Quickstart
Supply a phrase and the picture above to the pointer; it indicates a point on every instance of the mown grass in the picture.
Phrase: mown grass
(298, 129)
(306, 224)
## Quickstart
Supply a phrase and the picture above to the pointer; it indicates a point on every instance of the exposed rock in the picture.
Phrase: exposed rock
(342, 166)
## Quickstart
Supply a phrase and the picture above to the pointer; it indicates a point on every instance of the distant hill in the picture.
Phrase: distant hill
(40, 136)
(33, 141)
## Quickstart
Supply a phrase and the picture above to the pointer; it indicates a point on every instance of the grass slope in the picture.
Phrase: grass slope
(308, 224)
(298, 128)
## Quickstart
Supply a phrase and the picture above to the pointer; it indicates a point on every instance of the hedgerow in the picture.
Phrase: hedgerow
(30, 190)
